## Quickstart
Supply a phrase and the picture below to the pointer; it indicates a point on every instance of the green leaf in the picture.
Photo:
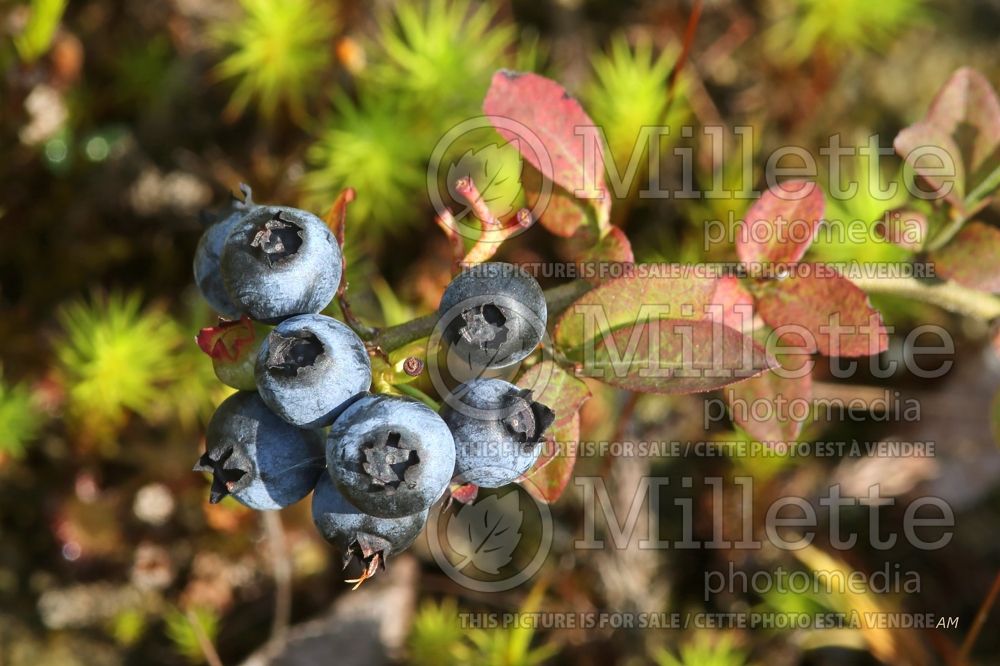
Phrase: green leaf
(653, 292)
(564, 394)
(971, 258)
(824, 313)
(781, 225)
(675, 356)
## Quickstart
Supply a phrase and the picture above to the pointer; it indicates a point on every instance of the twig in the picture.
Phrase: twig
(689, 32)
(947, 295)
(492, 237)
(446, 221)
(207, 649)
(477, 204)
(275, 532)
(336, 219)
(977, 624)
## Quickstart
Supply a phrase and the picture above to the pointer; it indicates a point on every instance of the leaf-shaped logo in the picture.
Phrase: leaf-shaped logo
(496, 171)
(486, 533)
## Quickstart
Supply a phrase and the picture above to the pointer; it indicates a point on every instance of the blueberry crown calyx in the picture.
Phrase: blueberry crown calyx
(526, 419)
(278, 239)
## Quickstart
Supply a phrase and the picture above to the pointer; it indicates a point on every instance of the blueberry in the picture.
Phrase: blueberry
(498, 430)
(207, 273)
(390, 456)
(260, 460)
(279, 262)
(368, 539)
(493, 315)
(309, 367)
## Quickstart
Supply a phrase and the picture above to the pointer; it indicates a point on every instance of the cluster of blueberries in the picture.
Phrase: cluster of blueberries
(304, 420)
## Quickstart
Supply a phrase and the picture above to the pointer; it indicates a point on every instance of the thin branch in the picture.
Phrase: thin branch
(689, 33)
(477, 204)
(947, 295)
(204, 642)
(977, 624)
(336, 220)
(492, 237)
(282, 567)
(446, 221)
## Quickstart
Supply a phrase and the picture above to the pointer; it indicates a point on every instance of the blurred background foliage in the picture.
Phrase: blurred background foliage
(121, 121)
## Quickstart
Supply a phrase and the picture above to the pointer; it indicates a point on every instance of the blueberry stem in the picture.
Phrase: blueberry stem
(389, 339)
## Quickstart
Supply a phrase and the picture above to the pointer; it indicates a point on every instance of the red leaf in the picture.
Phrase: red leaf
(563, 394)
(787, 401)
(675, 356)
(551, 117)
(227, 341)
(971, 258)
(825, 313)
(336, 219)
(781, 225)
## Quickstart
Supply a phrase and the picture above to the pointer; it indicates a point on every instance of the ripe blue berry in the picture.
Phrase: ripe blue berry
(493, 315)
(278, 262)
(260, 460)
(309, 367)
(368, 539)
(498, 430)
(390, 456)
(207, 257)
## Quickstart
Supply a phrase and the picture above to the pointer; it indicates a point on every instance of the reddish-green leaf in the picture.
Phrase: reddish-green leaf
(968, 110)
(971, 258)
(613, 248)
(654, 291)
(822, 312)
(771, 408)
(556, 124)
(564, 394)
(733, 304)
(560, 213)
(675, 356)
(904, 228)
(780, 226)
(935, 157)
(228, 341)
